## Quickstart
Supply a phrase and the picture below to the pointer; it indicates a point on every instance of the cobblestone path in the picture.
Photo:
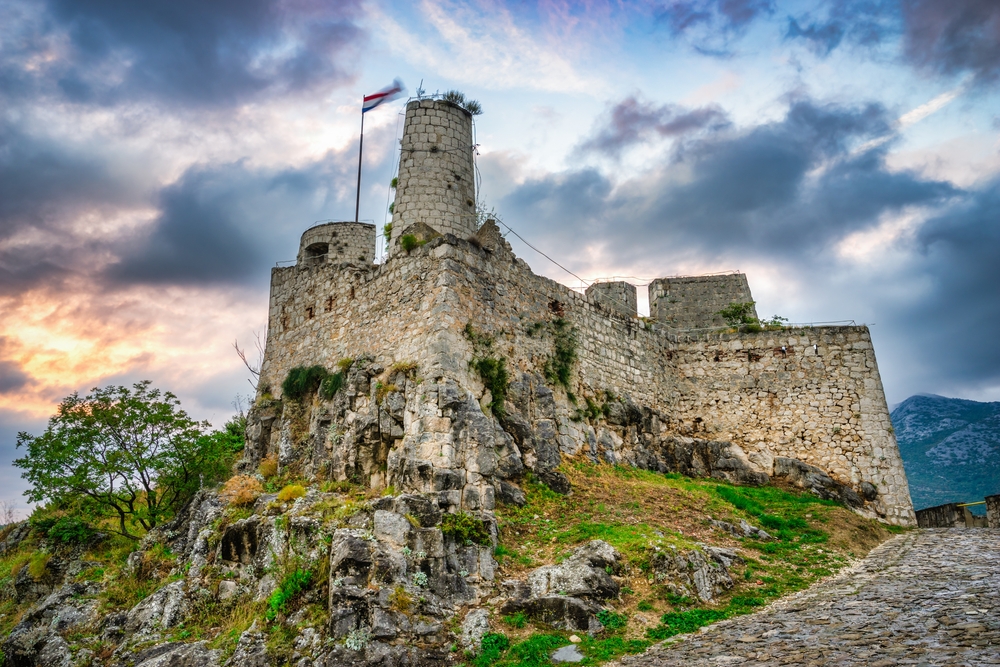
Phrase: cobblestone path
(929, 597)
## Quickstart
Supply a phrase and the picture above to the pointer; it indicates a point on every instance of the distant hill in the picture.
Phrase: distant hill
(950, 448)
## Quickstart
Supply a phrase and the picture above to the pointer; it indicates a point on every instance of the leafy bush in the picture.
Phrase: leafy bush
(739, 312)
(241, 490)
(330, 385)
(491, 647)
(420, 579)
(302, 381)
(291, 492)
(611, 620)
(493, 373)
(69, 530)
(293, 584)
(466, 528)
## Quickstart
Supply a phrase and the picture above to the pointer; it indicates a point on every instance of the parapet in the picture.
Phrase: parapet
(436, 181)
(694, 302)
(336, 242)
(617, 296)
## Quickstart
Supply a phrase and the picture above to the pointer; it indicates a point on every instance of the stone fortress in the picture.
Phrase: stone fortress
(580, 375)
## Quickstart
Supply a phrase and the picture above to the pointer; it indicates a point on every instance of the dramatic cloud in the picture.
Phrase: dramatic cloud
(682, 15)
(180, 52)
(631, 121)
(953, 36)
(860, 22)
(781, 187)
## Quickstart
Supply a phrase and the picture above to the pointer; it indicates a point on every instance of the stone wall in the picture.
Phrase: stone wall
(993, 511)
(436, 181)
(951, 515)
(620, 296)
(694, 302)
(813, 394)
(335, 242)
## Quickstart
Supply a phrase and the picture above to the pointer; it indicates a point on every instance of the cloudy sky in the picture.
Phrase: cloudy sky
(158, 157)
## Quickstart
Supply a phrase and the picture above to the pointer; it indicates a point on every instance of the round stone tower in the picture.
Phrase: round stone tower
(337, 242)
(436, 183)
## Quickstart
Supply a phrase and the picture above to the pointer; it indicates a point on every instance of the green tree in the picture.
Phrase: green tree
(132, 454)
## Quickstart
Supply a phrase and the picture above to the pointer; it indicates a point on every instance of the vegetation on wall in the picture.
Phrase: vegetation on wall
(559, 367)
(492, 370)
(459, 99)
(739, 314)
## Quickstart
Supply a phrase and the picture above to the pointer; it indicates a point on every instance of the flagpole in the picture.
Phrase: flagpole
(361, 145)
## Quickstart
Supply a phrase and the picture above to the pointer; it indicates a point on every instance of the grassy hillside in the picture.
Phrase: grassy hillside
(641, 512)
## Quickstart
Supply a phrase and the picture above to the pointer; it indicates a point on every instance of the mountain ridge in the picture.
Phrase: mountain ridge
(950, 448)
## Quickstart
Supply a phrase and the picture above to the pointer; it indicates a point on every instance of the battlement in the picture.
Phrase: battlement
(694, 302)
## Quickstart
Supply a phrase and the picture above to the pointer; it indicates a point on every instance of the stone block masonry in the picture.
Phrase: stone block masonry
(993, 511)
(694, 302)
(335, 242)
(436, 182)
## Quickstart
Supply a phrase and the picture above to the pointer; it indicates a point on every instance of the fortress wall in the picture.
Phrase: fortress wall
(502, 297)
(694, 302)
(823, 405)
(321, 314)
(620, 296)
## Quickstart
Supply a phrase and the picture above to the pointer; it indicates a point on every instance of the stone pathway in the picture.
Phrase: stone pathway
(929, 597)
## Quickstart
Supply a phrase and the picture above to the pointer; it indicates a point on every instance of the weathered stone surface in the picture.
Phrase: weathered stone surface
(584, 574)
(923, 598)
(474, 628)
(703, 573)
(814, 479)
(177, 655)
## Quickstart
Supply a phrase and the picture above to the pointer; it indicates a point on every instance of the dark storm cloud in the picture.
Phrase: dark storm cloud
(44, 185)
(953, 36)
(226, 223)
(184, 52)
(778, 188)
(631, 121)
(12, 377)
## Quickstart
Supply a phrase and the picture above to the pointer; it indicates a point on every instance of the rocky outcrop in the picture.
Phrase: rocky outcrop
(805, 476)
(700, 573)
(568, 595)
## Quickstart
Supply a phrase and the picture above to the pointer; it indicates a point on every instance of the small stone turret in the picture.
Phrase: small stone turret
(436, 182)
(694, 302)
(336, 242)
(617, 296)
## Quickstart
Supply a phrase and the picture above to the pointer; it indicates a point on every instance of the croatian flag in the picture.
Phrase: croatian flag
(385, 95)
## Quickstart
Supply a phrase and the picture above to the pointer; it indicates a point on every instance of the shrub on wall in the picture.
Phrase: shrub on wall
(466, 528)
(302, 381)
(559, 367)
(241, 490)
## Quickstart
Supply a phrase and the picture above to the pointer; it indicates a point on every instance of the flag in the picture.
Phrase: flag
(387, 94)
